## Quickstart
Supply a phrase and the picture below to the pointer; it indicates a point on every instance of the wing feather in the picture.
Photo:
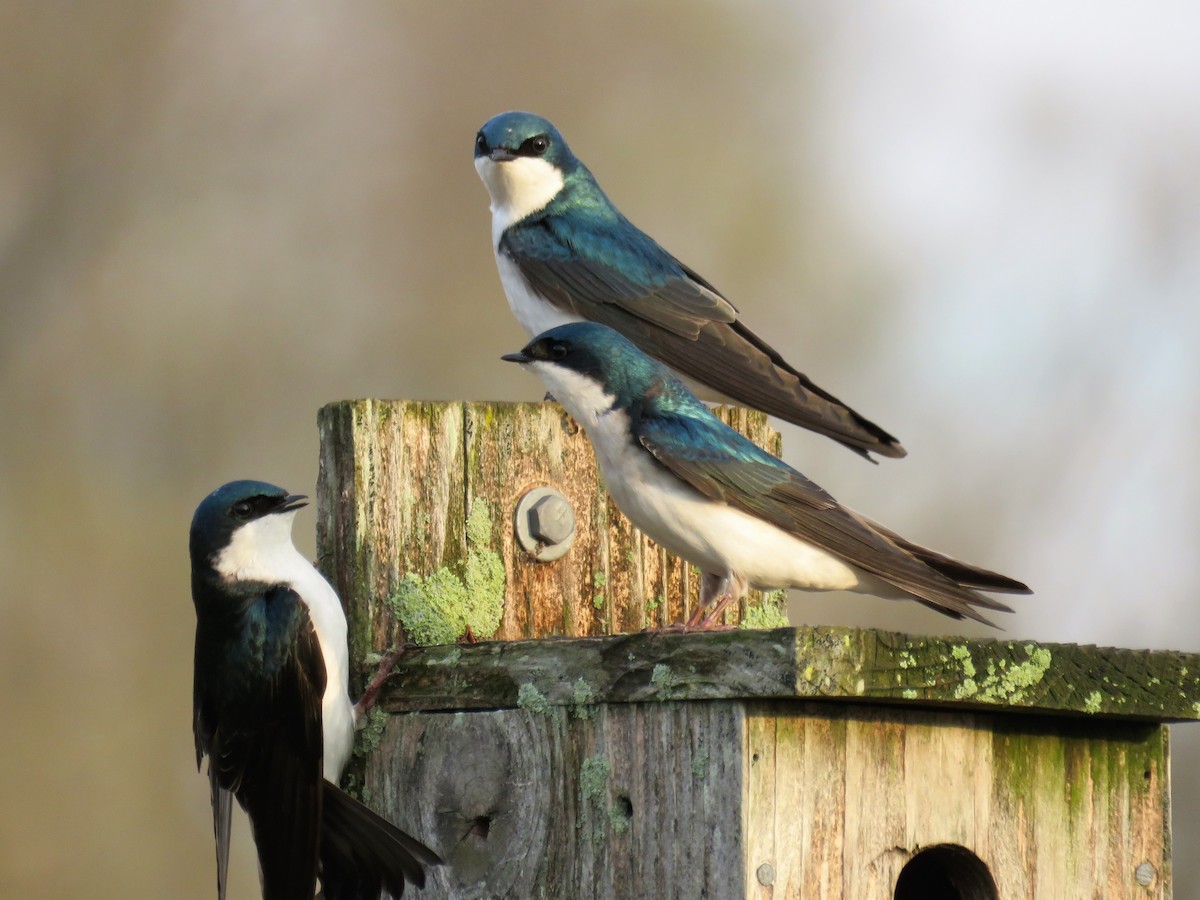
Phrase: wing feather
(695, 330)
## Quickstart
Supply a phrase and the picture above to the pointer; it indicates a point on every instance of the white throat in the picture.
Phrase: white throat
(585, 399)
(260, 550)
(518, 188)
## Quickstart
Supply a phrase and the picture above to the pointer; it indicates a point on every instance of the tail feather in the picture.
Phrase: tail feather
(956, 570)
(363, 854)
(962, 596)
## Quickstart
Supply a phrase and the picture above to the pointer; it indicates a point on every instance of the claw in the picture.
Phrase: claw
(371, 693)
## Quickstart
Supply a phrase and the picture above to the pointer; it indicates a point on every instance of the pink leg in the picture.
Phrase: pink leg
(371, 692)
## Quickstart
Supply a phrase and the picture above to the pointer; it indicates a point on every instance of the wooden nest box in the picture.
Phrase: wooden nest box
(562, 758)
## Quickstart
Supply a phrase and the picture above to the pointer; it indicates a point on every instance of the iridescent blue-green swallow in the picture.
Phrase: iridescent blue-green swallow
(712, 497)
(272, 711)
(566, 254)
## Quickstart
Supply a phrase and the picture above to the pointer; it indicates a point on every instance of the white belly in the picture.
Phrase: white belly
(535, 314)
(718, 538)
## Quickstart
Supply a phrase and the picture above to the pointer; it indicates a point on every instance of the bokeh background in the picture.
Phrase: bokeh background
(978, 226)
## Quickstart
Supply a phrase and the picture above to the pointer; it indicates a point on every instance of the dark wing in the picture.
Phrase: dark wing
(674, 315)
(363, 854)
(723, 465)
(259, 720)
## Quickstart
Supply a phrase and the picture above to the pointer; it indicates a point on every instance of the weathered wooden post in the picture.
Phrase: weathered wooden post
(806, 763)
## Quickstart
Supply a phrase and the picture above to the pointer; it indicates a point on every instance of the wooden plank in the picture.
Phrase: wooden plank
(940, 759)
(636, 800)
(763, 865)
(876, 801)
(822, 817)
(1078, 808)
(915, 778)
(825, 663)
(389, 502)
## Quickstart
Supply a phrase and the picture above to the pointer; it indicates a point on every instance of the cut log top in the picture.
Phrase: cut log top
(808, 663)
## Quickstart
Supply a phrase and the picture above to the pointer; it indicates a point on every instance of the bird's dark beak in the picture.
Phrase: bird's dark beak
(519, 357)
(293, 501)
(499, 154)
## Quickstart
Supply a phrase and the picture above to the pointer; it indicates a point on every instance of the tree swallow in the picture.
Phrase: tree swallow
(714, 498)
(272, 711)
(566, 254)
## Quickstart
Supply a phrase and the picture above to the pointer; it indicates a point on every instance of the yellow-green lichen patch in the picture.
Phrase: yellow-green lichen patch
(1013, 683)
(530, 698)
(593, 787)
(440, 608)
(367, 738)
(663, 678)
(1092, 702)
(962, 653)
(583, 699)
(769, 612)
(599, 580)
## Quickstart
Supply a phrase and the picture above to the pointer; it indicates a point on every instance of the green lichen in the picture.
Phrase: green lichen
(619, 818)
(962, 653)
(1093, 702)
(593, 779)
(700, 763)
(367, 738)
(593, 785)
(663, 678)
(440, 608)
(1011, 683)
(583, 699)
(654, 603)
(769, 612)
(966, 688)
(599, 580)
(530, 698)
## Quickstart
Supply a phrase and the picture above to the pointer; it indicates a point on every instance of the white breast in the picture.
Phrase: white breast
(533, 312)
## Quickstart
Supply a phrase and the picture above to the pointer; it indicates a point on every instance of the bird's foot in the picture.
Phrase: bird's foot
(711, 622)
(371, 693)
(697, 621)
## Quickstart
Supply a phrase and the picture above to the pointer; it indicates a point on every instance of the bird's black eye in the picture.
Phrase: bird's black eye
(481, 144)
(534, 146)
(242, 509)
(557, 350)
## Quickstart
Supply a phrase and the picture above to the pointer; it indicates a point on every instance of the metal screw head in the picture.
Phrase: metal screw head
(545, 524)
(1144, 874)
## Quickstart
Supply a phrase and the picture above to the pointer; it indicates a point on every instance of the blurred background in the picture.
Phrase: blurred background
(977, 227)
